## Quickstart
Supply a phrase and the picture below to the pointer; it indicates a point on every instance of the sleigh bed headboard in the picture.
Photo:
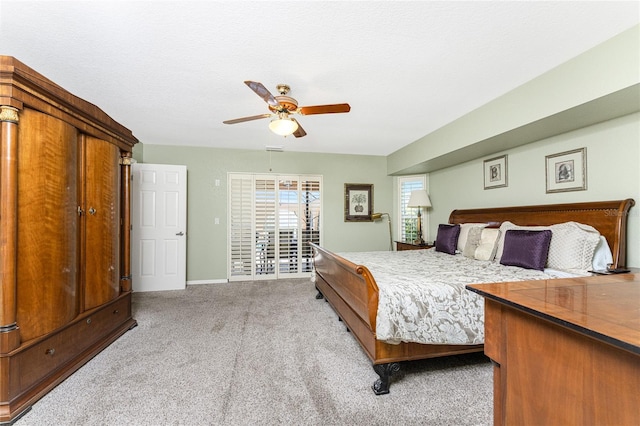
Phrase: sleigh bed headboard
(608, 217)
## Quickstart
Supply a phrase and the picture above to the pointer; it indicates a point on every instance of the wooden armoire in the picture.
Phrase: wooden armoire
(65, 278)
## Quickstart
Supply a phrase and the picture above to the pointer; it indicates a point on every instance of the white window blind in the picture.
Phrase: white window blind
(264, 219)
(288, 224)
(311, 207)
(281, 214)
(240, 225)
(407, 225)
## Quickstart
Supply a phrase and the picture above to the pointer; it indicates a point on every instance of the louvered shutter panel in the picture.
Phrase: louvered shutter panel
(310, 209)
(289, 214)
(240, 226)
(265, 222)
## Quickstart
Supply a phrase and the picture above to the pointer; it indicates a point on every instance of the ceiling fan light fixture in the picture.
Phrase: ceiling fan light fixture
(283, 106)
(283, 126)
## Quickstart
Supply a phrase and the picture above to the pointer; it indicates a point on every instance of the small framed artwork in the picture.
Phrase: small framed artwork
(566, 171)
(495, 172)
(358, 202)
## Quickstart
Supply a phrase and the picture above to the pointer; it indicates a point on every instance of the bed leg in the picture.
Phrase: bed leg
(340, 319)
(385, 371)
(319, 295)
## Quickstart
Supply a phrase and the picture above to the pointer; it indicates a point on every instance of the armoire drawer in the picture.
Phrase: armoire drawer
(54, 352)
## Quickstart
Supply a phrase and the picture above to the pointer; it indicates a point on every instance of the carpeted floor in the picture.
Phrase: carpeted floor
(252, 353)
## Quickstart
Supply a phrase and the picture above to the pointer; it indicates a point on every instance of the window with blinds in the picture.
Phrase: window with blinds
(271, 220)
(408, 223)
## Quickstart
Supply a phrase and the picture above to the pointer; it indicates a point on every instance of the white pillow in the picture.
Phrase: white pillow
(464, 234)
(602, 255)
(488, 245)
(572, 246)
(481, 243)
(473, 239)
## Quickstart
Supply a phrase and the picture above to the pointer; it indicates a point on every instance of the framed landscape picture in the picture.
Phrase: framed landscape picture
(495, 172)
(566, 171)
(358, 202)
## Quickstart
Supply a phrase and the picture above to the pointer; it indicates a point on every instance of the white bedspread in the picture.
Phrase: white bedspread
(423, 297)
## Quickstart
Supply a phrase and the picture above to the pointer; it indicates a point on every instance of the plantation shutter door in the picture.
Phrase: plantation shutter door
(271, 220)
(310, 205)
(288, 224)
(241, 228)
(265, 225)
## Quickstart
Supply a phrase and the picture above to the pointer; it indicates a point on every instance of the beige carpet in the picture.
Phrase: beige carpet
(256, 353)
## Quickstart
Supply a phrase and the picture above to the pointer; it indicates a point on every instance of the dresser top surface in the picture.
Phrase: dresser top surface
(604, 307)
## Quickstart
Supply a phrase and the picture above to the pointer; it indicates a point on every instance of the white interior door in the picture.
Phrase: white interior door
(159, 227)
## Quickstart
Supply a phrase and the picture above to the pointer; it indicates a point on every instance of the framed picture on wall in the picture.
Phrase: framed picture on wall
(358, 202)
(495, 172)
(566, 171)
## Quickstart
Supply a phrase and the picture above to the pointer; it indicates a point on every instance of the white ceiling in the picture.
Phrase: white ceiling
(172, 71)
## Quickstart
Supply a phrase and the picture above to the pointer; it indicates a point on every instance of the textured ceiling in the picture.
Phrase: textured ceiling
(172, 71)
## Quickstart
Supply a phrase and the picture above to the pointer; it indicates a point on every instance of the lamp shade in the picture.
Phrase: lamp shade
(283, 126)
(419, 198)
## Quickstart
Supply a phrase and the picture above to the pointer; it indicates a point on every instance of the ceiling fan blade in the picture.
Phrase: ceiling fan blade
(263, 92)
(243, 119)
(300, 131)
(324, 109)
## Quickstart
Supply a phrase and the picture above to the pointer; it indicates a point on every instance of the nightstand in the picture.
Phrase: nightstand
(404, 245)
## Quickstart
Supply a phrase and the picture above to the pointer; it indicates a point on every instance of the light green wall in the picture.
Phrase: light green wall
(613, 156)
(207, 243)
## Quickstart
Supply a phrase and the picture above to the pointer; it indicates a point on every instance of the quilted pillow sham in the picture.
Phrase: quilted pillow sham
(572, 246)
(447, 238)
(526, 249)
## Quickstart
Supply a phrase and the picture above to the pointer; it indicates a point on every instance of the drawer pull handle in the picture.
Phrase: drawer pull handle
(50, 351)
(116, 311)
(88, 320)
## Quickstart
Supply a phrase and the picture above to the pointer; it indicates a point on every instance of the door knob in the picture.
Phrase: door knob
(92, 211)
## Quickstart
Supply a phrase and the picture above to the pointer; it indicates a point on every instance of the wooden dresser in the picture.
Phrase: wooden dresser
(566, 351)
(65, 286)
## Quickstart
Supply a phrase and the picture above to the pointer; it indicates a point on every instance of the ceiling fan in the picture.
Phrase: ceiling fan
(282, 106)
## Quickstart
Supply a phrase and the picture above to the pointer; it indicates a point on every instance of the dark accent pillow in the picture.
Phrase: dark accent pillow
(447, 239)
(527, 249)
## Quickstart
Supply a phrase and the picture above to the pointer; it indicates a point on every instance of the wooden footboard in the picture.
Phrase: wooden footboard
(353, 293)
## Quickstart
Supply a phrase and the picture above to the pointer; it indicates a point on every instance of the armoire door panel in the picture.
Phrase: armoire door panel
(48, 246)
(102, 222)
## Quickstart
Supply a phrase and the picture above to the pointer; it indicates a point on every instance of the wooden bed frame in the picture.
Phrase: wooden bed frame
(353, 293)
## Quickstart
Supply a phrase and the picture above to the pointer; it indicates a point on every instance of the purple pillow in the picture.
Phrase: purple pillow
(447, 239)
(527, 249)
